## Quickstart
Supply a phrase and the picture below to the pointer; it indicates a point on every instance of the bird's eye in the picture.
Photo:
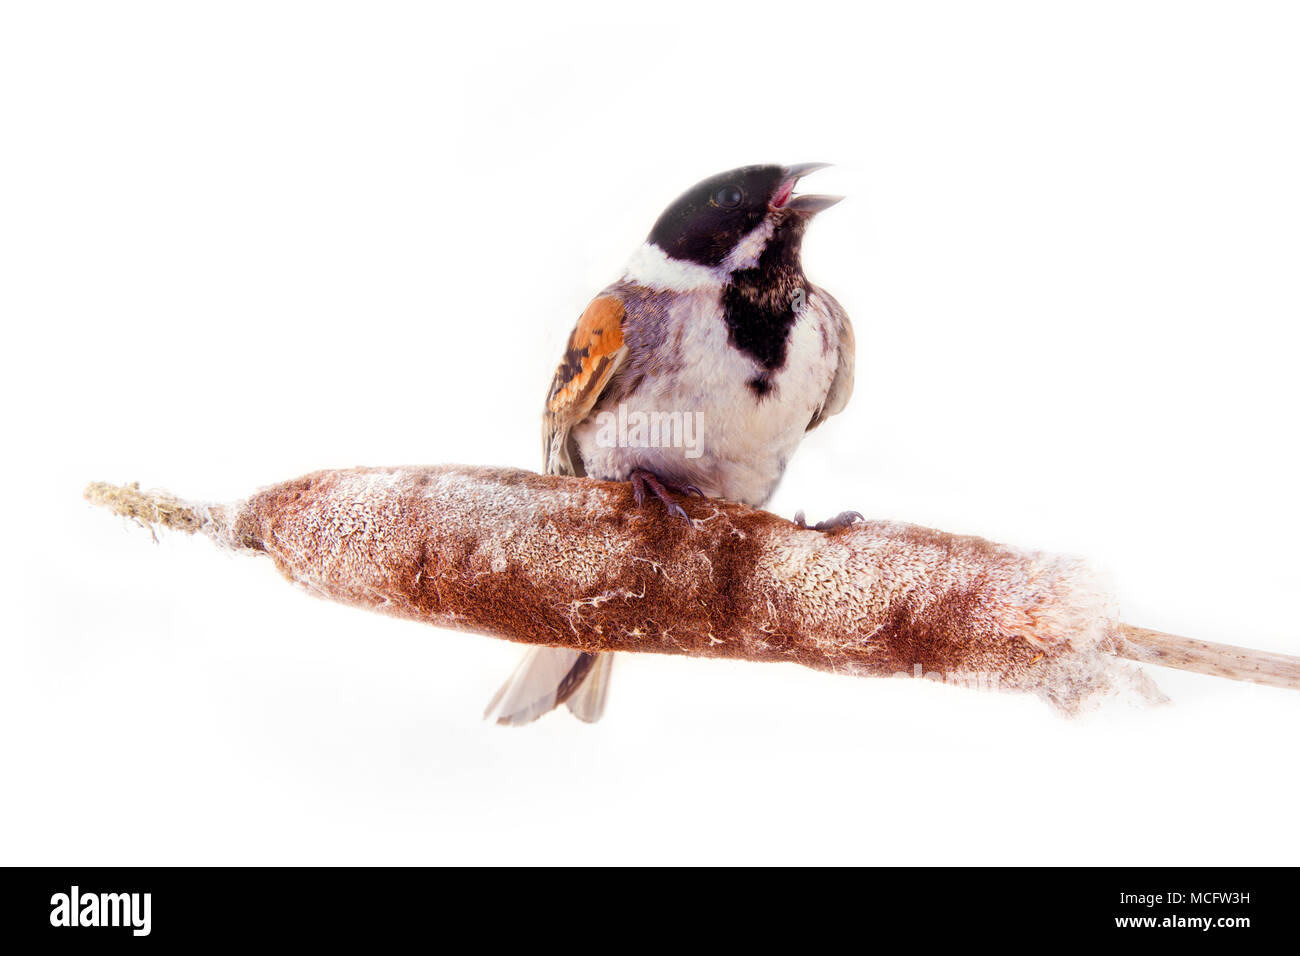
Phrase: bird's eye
(729, 197)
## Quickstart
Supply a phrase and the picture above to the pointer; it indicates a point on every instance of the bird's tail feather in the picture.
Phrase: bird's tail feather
(587, 703)
(548, 677)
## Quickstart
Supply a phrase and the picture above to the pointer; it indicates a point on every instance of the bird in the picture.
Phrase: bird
(714, 333)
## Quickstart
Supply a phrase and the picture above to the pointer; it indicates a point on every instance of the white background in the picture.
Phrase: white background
(246, 241)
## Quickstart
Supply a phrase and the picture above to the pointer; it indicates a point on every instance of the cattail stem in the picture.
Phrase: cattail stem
(1206, 657)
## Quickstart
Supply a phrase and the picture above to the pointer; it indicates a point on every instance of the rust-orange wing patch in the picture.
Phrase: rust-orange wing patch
(591, 351)
(594, 352)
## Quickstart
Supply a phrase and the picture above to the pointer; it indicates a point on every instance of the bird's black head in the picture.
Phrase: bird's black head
(708, 222)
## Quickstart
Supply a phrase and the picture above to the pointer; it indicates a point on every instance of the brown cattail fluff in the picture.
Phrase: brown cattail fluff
(573, 562)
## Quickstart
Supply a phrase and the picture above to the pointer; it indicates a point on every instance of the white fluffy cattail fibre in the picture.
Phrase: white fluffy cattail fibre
(574, 562)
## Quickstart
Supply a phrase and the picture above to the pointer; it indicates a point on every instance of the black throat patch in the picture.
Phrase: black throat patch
(760, 304)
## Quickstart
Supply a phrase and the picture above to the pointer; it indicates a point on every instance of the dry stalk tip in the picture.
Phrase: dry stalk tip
(152, 509)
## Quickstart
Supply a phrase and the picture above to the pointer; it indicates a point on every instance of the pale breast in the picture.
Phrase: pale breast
(689, 406)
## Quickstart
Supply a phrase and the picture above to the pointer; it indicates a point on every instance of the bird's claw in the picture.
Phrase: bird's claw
(845, 519)
(641, 480)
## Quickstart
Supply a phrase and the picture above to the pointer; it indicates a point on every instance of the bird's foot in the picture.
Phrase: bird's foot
(845, 519)
(663, 490)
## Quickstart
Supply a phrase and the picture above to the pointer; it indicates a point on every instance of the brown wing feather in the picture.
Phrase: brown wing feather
(594, 352)
(837, 396)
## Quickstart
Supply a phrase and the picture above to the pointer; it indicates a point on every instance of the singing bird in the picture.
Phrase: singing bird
(713, 321)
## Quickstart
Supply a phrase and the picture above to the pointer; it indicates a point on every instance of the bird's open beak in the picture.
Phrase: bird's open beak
(808, 205)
